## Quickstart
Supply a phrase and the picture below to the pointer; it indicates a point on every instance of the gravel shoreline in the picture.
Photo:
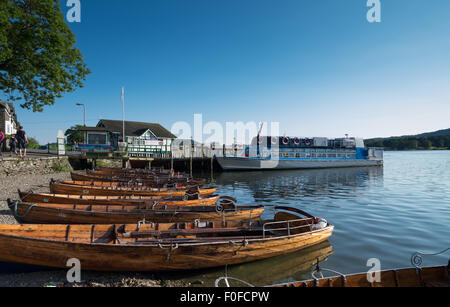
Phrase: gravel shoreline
(40, 183)
(10, 185)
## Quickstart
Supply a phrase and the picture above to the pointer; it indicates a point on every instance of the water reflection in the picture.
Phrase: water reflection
(281, 187)
(275, 270)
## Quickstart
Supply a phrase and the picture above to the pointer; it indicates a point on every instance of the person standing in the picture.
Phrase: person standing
(2, 138)
(13, 144)
(22, 140)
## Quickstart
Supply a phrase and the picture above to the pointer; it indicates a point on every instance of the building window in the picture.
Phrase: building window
(96, 139)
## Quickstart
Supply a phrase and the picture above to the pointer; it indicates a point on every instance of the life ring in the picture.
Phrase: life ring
(274, 140)
(297, 141)
(308, 142)
(286, 141)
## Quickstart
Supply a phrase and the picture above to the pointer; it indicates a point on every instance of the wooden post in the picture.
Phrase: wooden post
(212, 168)
(192, 154)
(171, 156)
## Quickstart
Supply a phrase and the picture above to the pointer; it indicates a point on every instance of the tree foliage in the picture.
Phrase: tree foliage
(32, 143)
(38, 58)
(74, 135)
(412, 142)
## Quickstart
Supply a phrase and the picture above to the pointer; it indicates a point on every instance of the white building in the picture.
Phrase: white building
(8, 118)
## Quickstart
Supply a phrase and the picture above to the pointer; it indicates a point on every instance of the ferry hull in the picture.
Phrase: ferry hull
(244, 164)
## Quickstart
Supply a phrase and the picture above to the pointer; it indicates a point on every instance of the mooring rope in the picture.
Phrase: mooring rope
(16, 214)
(416, 258)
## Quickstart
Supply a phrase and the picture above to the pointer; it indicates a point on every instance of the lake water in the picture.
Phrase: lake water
(385, 212)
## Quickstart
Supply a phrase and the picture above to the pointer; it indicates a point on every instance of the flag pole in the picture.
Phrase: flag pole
(123, 114)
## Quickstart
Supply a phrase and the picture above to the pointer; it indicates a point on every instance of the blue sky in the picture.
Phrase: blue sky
(317, 67)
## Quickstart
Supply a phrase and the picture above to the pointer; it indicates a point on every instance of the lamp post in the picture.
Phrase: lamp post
(84, 109)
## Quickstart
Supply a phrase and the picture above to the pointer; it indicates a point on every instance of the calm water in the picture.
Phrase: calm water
(386, 213)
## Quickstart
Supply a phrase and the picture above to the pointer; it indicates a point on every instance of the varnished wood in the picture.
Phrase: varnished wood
(167, 249)
(144, 180)
(112, 190)
(45, 213)
(149, 201)
(425, 277)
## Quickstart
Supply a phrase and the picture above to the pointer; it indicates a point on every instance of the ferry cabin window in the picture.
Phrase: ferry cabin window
(96, 139)
(297, 155)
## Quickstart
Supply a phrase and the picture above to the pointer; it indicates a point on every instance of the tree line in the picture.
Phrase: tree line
(411, 143)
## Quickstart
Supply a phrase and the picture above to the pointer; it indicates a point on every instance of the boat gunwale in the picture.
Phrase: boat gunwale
(140, 211)
(124, 198)
(130, 189)
(329, 228)
(293, 283)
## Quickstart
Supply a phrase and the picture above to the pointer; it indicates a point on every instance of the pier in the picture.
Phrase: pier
(185, 158)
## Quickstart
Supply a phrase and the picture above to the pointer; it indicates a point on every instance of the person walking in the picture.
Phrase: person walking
(22, 140)
(13, 144)
(2, 138)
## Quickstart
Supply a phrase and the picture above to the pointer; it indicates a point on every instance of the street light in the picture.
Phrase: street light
(84, 108)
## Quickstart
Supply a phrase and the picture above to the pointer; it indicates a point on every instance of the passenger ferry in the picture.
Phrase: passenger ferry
(266, 153)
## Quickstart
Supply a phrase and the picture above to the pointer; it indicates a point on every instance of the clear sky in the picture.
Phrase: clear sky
(316, 66)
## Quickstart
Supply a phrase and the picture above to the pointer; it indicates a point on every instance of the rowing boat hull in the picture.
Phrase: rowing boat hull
(115, 170)
(107, 200)
(82, 214)
(425, 277)
(134, 257)
(62, 188)
(156, 181)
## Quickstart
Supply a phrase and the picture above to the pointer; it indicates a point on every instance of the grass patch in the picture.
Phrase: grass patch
(60, 168)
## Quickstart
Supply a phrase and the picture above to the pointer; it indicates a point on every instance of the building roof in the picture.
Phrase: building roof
(4, 104)
(100, 129)
(135, 128)
(9, 106)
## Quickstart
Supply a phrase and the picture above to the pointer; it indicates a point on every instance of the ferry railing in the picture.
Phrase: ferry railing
(289, 228)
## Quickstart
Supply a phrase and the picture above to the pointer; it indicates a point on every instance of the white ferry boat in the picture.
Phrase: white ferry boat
(269, 153)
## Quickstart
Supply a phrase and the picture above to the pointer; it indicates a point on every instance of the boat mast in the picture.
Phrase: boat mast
(257, 140)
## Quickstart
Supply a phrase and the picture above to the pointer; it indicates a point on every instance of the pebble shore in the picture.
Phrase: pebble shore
(40, 183)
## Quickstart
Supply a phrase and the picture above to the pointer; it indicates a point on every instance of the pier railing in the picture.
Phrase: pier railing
(198, 151)
(204, 151)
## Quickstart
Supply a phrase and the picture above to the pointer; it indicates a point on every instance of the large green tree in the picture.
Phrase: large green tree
(38, 58)
(74, 135)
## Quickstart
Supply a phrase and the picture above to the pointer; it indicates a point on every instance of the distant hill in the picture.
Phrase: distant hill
(425, 141)
(436, 133)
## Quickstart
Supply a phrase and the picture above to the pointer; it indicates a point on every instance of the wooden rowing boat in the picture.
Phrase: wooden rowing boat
(75, 188)
(135, 185)
(273, 270)
(136, 172)
(147, 181)
(412, 277)
(45, 213)
(159, 247)
(33, 197)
